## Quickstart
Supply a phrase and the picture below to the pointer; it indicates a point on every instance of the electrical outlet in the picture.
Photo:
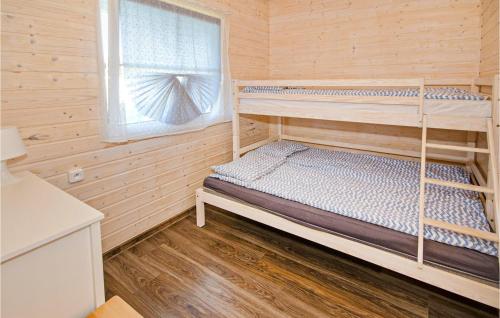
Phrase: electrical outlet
(75, 175)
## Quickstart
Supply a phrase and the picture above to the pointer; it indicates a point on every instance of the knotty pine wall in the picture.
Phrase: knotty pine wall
(322, 39)
(50, 91)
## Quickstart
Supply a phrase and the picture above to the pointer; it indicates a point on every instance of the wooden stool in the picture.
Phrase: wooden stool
(115, 308)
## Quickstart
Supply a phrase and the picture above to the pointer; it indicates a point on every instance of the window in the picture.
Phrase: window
(165, 67)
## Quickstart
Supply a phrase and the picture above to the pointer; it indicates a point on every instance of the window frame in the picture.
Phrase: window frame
(126, 131)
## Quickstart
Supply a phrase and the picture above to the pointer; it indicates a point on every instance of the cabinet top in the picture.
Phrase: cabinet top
(34, 213)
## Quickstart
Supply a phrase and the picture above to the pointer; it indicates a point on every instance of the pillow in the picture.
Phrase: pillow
(250, 167)
(281, 148)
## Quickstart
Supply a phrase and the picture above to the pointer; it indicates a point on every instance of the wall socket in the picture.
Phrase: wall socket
(75, 175)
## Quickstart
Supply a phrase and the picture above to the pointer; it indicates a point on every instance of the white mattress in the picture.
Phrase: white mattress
(466, 108)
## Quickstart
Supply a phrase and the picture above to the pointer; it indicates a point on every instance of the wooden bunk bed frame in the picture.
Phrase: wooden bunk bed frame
(465, 285)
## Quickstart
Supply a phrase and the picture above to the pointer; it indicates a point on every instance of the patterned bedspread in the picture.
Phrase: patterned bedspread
(448, 93)
(374, 189)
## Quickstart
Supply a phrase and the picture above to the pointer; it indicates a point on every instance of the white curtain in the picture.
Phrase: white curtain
(166, 67)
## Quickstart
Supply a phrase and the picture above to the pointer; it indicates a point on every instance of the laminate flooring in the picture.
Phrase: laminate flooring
(234, 267)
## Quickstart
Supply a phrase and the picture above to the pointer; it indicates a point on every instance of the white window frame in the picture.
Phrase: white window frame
(114, 128)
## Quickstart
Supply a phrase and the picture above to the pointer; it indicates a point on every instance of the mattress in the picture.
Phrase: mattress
(437, 101)
(371, 188)
(461, 259)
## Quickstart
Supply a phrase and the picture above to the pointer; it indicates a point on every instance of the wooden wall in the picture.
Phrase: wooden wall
(374, 38)
(490, 50)
(378, 38)
(50, 91)
(489, 65)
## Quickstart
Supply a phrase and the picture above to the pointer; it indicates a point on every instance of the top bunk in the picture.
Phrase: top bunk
(402, 102)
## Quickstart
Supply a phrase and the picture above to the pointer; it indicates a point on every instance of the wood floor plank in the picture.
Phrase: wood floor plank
(260, 287)
(130, 271)
(234, 267)
(352, 294)
(148, 306)
(175, 296)
(337, 308)
(335, 281)
(322, 259)
(402, 292)
(207, 286)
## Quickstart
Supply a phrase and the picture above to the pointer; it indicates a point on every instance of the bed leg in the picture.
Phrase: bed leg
(200, 209)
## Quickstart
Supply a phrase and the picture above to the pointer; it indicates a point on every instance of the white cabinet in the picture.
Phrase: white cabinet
(51, 263)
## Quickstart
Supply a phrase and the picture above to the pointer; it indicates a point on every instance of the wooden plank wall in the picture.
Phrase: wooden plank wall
(374, 38)
(490, 51)
(489, 63)
(50, 91)
(377, 38)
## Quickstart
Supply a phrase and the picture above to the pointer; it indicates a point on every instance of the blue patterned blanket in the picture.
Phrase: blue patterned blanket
(374, 189)
(448, 93)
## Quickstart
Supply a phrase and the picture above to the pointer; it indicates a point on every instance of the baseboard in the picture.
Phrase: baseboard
(145, 235)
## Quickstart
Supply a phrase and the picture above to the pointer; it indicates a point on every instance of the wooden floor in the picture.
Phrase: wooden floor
(234, 267)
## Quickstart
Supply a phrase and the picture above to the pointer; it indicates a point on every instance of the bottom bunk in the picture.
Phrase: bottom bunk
(465, 260)
(365, 206)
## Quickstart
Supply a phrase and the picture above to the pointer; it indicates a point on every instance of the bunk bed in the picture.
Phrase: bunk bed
(460, 268)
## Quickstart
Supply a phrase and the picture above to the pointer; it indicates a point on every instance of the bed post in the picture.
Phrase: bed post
(495, 96)
(275, 128)
(474, 88)
(421, 202)
(495, 142)
(493, 179)
(494, 145)
(280, 127)
(236, 120)
(471, 143)
(421, 100)
(471, 137)
(200, 208)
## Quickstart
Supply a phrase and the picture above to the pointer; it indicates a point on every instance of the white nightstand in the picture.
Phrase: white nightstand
(51, 258)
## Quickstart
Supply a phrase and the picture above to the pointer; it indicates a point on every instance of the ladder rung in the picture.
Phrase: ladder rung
(458, 185)
(462, 229)
(458, 148)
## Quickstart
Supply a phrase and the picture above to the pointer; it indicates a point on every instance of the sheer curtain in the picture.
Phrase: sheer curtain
(166, 67)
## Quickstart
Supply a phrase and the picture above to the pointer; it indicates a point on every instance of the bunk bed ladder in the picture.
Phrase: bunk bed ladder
(491, 189)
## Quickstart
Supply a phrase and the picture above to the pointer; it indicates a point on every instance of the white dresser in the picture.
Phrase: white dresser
(51, 263)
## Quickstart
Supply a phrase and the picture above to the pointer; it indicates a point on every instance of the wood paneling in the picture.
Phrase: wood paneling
(234, 267)
(490, 19)
(50, 90)
(489, 64)
(384, 38)
(406, 140)
(374, 39)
